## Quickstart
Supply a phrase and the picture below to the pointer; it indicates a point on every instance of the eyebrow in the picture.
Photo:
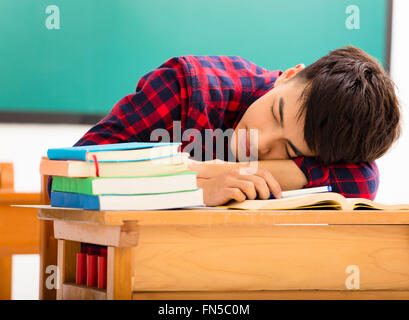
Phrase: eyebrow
(280, 110)
(281, 122)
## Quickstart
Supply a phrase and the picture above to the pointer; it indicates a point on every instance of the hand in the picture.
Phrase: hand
(233, 184)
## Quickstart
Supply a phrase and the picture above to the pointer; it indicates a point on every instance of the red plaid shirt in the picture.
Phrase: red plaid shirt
(213, 92)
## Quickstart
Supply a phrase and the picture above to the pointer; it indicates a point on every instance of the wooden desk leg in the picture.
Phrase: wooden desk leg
(119, 273)
(48, 247)
(67, 255)
(48, 257)
(5, 277)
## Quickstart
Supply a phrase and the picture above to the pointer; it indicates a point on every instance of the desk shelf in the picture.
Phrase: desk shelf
(72, 291)
(67, 254)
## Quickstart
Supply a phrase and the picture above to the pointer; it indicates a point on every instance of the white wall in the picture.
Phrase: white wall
(394, 171)
(25, 144)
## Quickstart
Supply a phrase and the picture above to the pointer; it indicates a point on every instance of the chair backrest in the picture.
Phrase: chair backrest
(44, 182)
(6, 177)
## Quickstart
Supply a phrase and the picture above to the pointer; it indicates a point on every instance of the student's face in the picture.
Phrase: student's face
(274, 116)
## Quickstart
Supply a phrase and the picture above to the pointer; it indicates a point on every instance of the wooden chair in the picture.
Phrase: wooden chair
(19, 227)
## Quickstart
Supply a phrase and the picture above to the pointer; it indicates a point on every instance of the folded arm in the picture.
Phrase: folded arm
(350, 180)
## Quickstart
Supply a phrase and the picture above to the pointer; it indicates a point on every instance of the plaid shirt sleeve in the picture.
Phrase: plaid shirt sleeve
(350, 180)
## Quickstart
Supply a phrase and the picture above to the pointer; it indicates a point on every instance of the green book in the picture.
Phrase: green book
(165, 183)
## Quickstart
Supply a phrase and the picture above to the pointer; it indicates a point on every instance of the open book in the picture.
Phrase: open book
(326, 200)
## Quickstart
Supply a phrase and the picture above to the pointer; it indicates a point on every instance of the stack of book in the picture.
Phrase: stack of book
(124, 176)
(91, 266)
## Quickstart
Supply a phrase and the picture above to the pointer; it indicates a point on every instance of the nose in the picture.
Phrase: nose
(263, 145)
(270, 144)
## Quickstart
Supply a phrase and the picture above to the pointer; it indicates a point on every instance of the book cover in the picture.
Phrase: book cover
(171, 200)
(75, 168)
(82, 152)
(127, 185)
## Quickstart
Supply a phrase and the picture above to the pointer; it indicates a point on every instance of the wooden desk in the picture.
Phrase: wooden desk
(228, 254)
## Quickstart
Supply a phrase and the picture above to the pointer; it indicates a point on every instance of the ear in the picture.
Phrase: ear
(289, 73)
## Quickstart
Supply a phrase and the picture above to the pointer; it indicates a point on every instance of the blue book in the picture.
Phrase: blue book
(74, 200)
(118, 152)
(156, 201)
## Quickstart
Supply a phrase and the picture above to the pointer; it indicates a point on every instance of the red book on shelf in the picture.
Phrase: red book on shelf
(81, 265)
(84, 247)
(92, 266)
(93, 249)
(102, 268)
(81, 269)
(103, 252)
(92, 270)
(102, 272)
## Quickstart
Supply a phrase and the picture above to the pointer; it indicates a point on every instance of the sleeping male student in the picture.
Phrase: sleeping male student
(324, 124)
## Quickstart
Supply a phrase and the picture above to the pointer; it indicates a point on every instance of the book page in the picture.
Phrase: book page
(318, 200)
(366, 204)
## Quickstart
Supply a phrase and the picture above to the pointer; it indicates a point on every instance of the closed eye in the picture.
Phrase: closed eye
(288, 154)
(272, 112)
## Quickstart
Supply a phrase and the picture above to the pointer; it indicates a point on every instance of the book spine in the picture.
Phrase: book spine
(49, 168)
(92, 266)
(74, 153)
(67, 154)
(81, 268)
(74, 185)
(102, 269)
(74, 200)
(81, 265)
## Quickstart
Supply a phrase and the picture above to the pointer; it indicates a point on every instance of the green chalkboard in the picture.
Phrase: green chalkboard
(82, 56)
